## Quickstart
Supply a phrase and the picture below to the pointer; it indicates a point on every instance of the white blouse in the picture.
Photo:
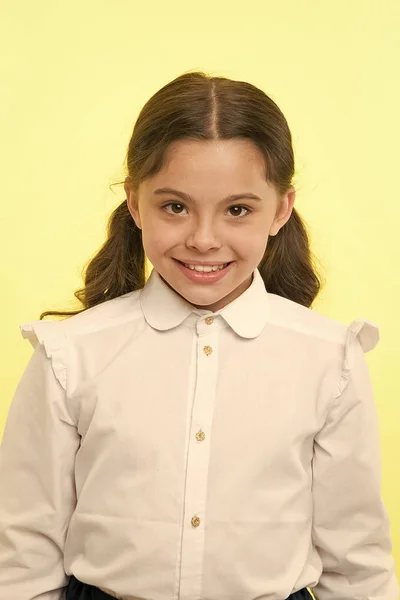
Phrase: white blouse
(161, 452)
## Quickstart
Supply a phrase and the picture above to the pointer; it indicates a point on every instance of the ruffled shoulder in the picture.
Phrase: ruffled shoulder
(51, 335)
(367, 334)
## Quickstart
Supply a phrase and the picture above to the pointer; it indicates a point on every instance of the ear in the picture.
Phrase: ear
(133, 204)
(284, 211)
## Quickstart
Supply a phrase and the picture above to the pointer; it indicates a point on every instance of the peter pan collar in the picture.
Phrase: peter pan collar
(164, 309)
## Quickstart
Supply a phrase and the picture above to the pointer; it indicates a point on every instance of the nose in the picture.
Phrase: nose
(203, 236)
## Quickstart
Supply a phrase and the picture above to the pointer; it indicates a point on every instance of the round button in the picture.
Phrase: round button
(207, 350)
(195, 521)
(209, 320)
(200, 436)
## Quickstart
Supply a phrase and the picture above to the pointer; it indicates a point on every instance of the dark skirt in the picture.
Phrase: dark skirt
(77, 590)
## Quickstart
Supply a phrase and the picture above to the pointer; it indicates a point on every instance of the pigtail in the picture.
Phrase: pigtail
(117, 268)
(287, 266)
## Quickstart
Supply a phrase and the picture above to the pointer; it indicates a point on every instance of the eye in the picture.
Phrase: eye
(174, 204)
(239, 207)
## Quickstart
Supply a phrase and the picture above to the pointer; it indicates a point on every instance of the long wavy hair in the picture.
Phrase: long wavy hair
(197, 106)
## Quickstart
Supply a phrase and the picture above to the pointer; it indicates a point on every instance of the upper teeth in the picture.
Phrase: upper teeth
(206, 269)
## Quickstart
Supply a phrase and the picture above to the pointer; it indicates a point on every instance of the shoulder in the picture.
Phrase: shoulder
(89, 328)
(110, 313)
(326, 343)
(317, 326)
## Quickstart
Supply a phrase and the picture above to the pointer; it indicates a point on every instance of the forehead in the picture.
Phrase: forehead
(220, 167)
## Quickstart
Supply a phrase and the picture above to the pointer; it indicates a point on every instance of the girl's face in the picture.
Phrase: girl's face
(202, 226)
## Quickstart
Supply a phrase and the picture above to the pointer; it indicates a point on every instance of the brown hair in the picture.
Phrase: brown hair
(198, 106)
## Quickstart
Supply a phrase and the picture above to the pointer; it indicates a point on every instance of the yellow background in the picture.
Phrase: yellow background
(74, 77)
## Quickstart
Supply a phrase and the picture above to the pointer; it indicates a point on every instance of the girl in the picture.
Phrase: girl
(202, 434)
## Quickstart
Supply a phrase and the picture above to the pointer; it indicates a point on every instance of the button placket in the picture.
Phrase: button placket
(198, 462)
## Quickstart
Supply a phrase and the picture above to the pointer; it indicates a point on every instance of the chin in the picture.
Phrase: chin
(199, 299)
(205, 302)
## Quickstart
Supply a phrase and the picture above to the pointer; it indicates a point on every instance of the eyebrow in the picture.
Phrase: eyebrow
(188, 198)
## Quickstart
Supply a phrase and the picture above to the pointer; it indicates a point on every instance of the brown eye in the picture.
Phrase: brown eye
(177, 207)
(237, 209)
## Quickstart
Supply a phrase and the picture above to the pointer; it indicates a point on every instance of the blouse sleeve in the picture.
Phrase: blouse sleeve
(37, 491)
(351, 529)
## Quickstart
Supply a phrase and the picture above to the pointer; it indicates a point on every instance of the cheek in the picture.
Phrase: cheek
(158, 240)
(253, 240)
(252, 247)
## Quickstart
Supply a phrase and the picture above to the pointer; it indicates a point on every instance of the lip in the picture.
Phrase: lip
(199, 277)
